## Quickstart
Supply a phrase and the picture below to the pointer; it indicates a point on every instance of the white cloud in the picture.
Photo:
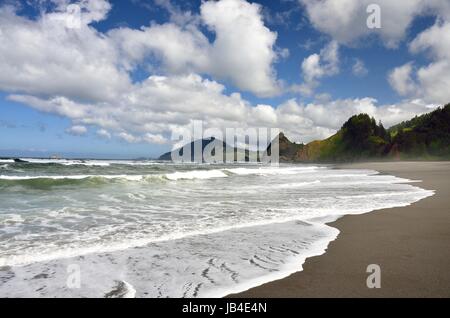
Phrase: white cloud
(435, 82)
(264, 115)
(306, 122)
(179, 49)
(243, 50)
(434, 39)
(151, 109)
(401, 80)
(61, 106)
(430, 82)
(76, 130)
(359, 68)
(316, 66)
(244, 47)
(138, 119)
(68, 12)
(154, 139)
(434, 78)
(83, 75)
(104, 133)
(127, 137)
(44, 57)
(345, 20)
(177, 15)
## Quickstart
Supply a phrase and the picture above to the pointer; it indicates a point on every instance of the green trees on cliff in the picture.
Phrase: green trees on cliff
(423, 137)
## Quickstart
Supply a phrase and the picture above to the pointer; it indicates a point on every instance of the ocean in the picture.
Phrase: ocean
(159, 229)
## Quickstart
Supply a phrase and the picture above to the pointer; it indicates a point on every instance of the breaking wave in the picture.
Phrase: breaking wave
(46, 181)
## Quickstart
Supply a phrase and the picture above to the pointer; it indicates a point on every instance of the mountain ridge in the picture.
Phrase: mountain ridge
(211, 142)
(424, 137)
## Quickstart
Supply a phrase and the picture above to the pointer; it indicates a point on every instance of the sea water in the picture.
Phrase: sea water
(158, 229)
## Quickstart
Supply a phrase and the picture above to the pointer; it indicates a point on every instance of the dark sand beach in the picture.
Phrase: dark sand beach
(411, 244)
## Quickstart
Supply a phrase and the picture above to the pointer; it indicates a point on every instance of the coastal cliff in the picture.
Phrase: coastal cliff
(425, 137)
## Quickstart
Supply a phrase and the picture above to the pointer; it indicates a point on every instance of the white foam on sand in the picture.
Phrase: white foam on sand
(195, 266)
(44, 255)
(122, 289)
(198, 266)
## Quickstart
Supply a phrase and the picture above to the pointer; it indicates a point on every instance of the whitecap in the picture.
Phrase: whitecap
(196, 174)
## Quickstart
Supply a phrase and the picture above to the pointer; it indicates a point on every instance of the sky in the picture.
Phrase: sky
(119, 79)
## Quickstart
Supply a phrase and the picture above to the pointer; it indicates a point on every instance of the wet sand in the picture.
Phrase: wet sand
(411, 245)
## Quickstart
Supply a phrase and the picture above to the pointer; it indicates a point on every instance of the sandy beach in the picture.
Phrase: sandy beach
(410, 244)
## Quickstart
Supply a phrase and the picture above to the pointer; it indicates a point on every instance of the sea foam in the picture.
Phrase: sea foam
(222, 230)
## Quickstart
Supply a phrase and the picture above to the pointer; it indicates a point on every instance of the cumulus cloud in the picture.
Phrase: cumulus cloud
(151, 108)
(359, 68)
(104, 133)
(345, 20)
(154, 138)
(401, 80)
(84, 75)
(139, 119)
(76, 130)
(147, 137)
(127, 137)
(430, 82)
(239, 27)
(317, 66)
(243, 50)
(306, 122)
(46, 57)
(179, 49)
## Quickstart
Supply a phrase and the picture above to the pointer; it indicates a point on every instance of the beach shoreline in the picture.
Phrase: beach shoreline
(410, 244)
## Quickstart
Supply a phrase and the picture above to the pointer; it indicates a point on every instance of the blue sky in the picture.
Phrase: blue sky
(397, 66)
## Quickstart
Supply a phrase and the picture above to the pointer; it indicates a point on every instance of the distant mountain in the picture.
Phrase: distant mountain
(179, 152)
(236, 154)
(423, 137)
(288, 150)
